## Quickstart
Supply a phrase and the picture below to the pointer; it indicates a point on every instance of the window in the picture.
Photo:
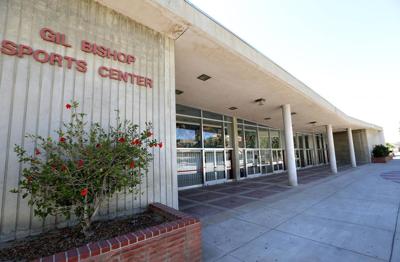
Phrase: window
(275, 139)
(264, 138)
(240, 136)
(228, 135)
(213, 136)
(188, 133)
(251, 137)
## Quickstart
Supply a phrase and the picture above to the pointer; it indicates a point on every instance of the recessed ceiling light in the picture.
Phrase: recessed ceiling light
(203, 77)
(178, 92)
(260, 101)
(294, 113)
(312, 122)
(267, 118)
(232, 108)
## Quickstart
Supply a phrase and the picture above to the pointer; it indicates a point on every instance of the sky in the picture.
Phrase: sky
(347, 51)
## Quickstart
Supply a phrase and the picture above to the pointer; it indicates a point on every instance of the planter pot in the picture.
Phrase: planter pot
(179, 240)
(381, 159)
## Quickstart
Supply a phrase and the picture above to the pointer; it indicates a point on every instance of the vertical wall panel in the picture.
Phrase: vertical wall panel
(33, 95)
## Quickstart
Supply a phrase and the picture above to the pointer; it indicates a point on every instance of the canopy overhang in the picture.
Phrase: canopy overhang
(239, 73)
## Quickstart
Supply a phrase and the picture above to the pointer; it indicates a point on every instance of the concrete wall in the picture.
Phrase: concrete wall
(341, 148)
(33, 95)
(361, 148)
(374, 137)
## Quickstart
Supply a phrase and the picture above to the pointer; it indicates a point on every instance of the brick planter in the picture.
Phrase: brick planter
(381, 159)
(179, 240)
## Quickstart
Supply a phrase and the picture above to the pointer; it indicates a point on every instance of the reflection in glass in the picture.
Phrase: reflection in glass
(264, 138)
(275, 139)
(251, 137)
(213, 137)
(228, 135)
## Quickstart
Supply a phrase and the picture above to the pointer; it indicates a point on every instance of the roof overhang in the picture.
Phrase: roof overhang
(239, 73)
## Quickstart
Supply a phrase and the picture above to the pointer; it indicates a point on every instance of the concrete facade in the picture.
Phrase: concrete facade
(33, 95)
(164, 36)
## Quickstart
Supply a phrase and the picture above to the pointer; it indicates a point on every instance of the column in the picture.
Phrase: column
(235, 154)
(351, 148)
(331, 149)
(289, 145)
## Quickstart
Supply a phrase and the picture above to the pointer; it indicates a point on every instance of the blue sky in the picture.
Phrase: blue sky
(348, 51)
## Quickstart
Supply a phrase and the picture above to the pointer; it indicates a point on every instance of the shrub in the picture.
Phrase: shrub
(85, 166)
(380, 151)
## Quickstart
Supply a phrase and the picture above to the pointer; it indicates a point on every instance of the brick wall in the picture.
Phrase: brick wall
(179, 240)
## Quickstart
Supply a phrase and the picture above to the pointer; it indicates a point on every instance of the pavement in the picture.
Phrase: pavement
(350, 216)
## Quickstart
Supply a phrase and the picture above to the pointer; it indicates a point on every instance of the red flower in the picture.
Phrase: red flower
(98, 145)
(160, 144)
(121, 140)
(53, 167)
(62, 139)
(37, 151)
(68, 106)
(84, 192)
(136, 142)
(29, 178)
(63, 168)
(80, 163)
(132, 164)
(149, 133)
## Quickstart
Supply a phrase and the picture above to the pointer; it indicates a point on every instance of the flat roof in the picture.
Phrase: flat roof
(239, 73)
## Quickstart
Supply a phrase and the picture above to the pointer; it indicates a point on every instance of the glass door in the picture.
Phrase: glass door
(277, 160)
(214, 167)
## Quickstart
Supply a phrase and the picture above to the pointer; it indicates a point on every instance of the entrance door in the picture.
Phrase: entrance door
(253, 162)
(277, 160)
(214, 167)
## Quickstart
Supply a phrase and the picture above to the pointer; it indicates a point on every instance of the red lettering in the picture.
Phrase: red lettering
(112, 54)
(47, 35)
(125, 76)
(121, 57)
(81, 66)
(69, 61)
(86, 46)
(8, 47)
(64, 40)
(24, 50)
(56, 58)
(101, 71)
(140, 81)
(114, 74)
(149, 82)
(101, 51)
(130, 59)
(37, 53)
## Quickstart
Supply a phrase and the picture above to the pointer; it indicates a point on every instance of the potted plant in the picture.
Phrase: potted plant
(380, 154)
(74, 174)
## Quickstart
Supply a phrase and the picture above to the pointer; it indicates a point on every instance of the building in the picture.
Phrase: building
(223, 110)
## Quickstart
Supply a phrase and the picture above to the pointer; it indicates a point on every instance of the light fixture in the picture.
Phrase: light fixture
(178, 92)
(203, 77)
(312, 122)
(232, 108)
(267, 118)
(260, 101)
(293, 113)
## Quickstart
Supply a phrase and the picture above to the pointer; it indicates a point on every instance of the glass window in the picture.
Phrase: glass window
(212, 115)
(240, 136)
(295, 141)
(188, 132)
(185, 110)
(228, 135)
(228, 119)
(251, 137)
(301, 143)
(275, 139)
(264, 138)
(306, 142)
(213, 136)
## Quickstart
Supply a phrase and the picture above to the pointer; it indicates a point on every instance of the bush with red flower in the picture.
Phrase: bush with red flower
(75, 173)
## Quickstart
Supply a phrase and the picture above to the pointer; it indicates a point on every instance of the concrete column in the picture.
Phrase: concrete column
(235, 155)
(351, 148)
(289, 145)
(331, 149)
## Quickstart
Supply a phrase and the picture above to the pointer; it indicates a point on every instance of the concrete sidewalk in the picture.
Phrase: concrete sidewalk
(351, 216)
